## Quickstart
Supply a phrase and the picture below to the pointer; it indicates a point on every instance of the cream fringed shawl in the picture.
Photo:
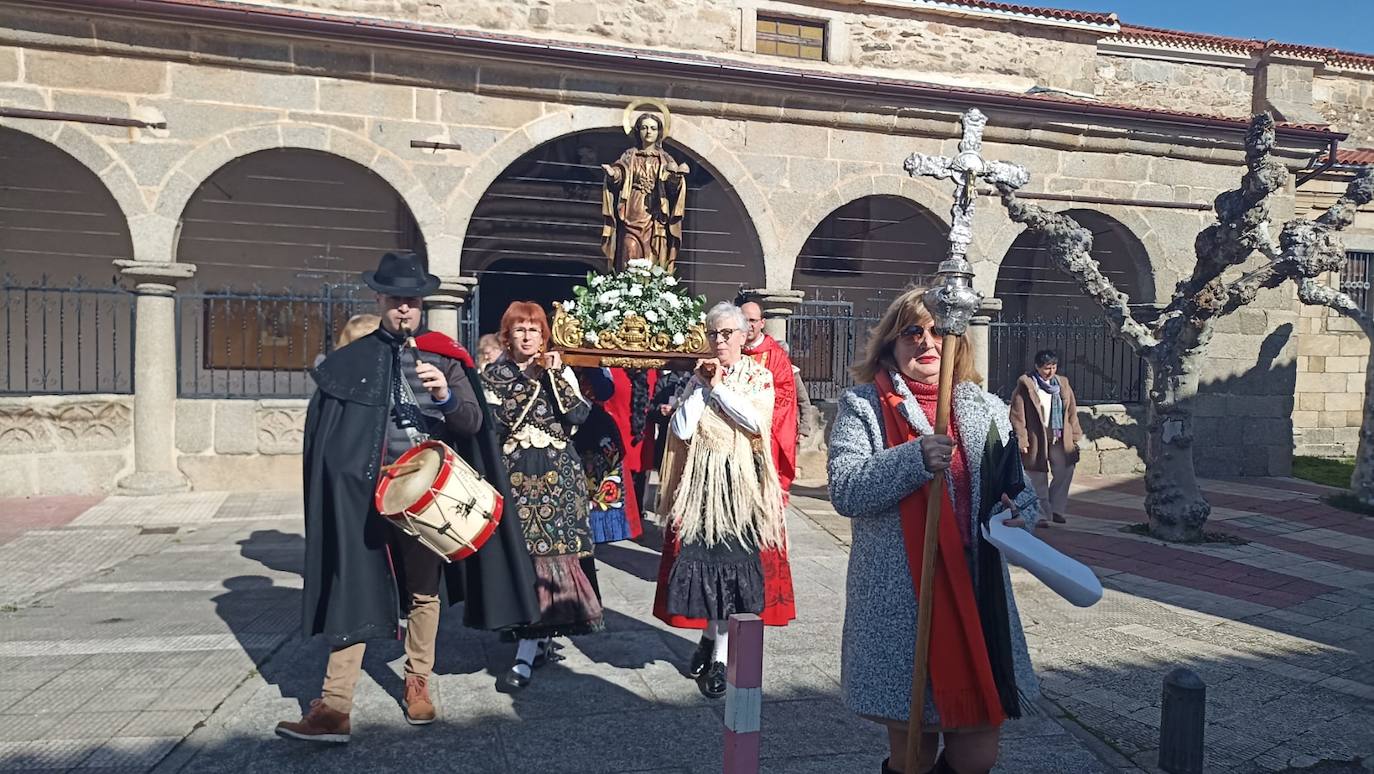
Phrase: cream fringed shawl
(722, 483)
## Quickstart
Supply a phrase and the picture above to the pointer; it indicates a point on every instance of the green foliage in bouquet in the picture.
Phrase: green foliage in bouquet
(643, 289)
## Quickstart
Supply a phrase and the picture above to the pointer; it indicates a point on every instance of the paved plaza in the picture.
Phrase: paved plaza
(160, 634)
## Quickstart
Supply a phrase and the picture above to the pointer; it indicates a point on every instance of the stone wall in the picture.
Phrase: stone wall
(1170, 85)
(791, 159)
(240, 444)
(884, 38)
(1347, 101)
(72, 444)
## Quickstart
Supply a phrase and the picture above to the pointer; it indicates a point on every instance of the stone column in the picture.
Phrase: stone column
(155, 377)
(778, 304)
(442, 307)
(980, 335)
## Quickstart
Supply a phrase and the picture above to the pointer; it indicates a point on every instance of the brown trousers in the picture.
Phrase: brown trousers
(423, 569)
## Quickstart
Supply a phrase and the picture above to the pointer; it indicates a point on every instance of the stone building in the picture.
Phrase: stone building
(190, 187)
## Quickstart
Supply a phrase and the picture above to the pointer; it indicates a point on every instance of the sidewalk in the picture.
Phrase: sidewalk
(1278, 628)
(183, 654)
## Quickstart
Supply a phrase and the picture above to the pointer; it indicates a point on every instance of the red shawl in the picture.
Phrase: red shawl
(437, 343)
(962, 685)
(771, 355)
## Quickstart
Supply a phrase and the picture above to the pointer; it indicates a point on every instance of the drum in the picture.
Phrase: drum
(433, 495)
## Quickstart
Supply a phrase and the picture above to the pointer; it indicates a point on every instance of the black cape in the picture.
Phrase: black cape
(353, 582)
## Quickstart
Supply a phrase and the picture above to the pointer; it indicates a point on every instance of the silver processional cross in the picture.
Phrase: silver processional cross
(953, 301)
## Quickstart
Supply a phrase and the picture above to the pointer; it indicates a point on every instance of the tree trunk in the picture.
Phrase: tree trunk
(1173, 501)
(1362, 480)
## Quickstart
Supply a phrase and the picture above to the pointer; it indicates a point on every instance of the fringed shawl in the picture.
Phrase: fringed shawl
(722, 482)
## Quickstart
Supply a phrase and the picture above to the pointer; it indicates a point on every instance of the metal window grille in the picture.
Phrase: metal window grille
(792, 38)
(65, 340)
(1102, 367)
(1355, 278)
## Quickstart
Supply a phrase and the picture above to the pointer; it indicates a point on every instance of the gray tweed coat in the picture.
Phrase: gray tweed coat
(867, 481)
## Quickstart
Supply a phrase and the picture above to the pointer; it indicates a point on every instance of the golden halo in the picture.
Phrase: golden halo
(664, 114)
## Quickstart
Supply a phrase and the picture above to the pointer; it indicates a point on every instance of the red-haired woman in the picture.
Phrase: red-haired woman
(536, 403)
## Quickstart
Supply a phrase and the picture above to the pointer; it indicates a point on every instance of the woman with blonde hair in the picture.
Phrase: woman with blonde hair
(883, 455)
(358, 326)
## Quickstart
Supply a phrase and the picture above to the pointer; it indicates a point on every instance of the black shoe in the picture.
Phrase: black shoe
(512, 681)
(546, 653)
(701, 658)
(712, 681)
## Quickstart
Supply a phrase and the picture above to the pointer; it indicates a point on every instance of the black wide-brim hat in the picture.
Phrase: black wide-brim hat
(401, 274)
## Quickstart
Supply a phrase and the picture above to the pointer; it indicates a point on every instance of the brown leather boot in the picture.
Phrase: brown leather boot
(321, 724)
(418, 707)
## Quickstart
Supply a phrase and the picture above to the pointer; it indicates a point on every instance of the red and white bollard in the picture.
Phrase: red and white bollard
(743, 694)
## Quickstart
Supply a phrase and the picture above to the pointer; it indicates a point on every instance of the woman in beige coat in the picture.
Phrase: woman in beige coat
(1044, 415)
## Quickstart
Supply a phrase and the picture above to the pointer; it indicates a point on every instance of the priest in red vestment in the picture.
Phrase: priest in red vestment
(769, 353)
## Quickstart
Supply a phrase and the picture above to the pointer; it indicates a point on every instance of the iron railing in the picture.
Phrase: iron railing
(258, 344)
(825, 337)
(65, 340)
(1101, 367)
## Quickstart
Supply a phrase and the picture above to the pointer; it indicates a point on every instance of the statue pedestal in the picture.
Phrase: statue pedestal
(629, 346)
(626, 358)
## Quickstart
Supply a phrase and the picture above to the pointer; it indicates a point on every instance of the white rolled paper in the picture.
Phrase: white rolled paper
(1066, 576)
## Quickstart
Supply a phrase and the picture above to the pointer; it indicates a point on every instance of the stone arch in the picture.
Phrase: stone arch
(1043, 308)
(183, 180)
(720, 161)
(75, 142)
(919, 192)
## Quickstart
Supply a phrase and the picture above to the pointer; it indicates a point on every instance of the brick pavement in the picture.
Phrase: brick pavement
(1279, 628)
(182, 653)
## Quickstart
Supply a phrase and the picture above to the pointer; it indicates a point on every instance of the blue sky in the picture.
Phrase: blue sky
(1345, 24)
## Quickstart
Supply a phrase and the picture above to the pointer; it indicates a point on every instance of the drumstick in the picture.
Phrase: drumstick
(403, 468)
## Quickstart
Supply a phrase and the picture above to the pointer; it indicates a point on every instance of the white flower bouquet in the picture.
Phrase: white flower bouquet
(643, 290)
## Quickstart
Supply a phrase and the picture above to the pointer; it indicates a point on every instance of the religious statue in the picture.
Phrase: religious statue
(644, 196)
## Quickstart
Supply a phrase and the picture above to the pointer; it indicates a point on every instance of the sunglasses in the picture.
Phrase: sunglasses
(723, 333)
(915, 332)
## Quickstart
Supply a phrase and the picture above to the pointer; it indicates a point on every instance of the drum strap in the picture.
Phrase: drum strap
(407, 396)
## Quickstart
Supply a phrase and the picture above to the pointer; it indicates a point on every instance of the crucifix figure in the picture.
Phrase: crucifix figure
(952, 302)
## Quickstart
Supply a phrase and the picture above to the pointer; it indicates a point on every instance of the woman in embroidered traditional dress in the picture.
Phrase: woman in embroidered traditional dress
(614, 511)
(883, 453)
(723, 500)
(537, 403)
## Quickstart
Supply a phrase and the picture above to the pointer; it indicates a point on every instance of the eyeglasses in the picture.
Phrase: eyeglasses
(723, 333)
(915, 332)
(752, 320)
(526, 331)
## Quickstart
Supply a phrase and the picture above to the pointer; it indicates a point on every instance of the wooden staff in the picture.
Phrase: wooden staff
(929, 552)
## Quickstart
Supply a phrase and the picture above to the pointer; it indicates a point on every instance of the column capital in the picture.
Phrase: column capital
(453, 292)
(154, 278)
(989, 307)
(775, 302)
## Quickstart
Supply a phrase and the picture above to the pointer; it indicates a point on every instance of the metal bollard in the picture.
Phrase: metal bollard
(1182, 722)
(743, 694)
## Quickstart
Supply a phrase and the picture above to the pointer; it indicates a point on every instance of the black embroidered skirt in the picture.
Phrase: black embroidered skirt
(715, 582)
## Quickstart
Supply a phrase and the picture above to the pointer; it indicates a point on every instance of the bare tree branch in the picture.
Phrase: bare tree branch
(1314, 293)
(1069, 247)
(1242, 225)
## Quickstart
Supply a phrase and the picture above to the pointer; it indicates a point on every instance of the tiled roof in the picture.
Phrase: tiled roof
(1057, 14)
(1355, 156)
(1199, 41)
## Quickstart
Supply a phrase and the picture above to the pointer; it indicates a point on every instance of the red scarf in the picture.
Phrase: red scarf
(962, 685)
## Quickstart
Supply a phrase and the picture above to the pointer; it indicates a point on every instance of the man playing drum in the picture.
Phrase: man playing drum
(375, 399)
